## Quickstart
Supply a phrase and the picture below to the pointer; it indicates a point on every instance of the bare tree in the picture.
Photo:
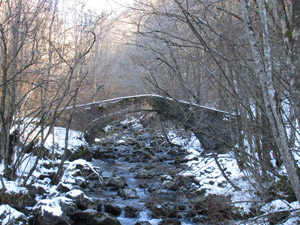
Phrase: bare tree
(199, 51)
(264, 69)
(39, 72)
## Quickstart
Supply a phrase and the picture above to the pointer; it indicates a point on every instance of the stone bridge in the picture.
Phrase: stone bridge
(212, 127)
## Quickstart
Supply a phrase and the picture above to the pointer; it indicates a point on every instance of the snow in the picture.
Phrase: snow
(75, 139)
(84, 163)
(120, 142)
(113, 100)
(13, 187)
(51, 206)
(134, 122)
(10, 214)
(26, 164)
(292, 221)
(210, 178)
(276, 205)
(75, 193)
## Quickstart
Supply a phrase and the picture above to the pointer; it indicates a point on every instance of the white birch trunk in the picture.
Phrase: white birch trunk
(263, 63)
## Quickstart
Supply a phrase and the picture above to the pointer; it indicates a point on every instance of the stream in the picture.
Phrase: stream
(146, 183)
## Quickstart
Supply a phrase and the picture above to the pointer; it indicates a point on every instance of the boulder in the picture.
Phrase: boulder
(82, 182)
(102, 219)
(155, 187)
(81, 167)
(63, 188)
(54, 211)
(107, 174)
(68, 206)
(128, 193)
(142, 223)
(170, 185)
(144, 174)
(10, 216)
(84, 214)
(15, 196)
(168, 210)
(82, 152)
(131, 212)
(118, 182)
(113, 209)
(169, 222)
(103, 154)
(83, 202)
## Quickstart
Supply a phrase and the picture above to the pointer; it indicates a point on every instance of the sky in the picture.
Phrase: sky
(107, 5)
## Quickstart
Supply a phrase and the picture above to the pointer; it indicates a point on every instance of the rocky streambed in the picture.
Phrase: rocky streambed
(131, 176)
(141, 180)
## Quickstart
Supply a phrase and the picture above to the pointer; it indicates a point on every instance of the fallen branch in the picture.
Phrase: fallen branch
(269, 214)
(95, 172)
(236, 188)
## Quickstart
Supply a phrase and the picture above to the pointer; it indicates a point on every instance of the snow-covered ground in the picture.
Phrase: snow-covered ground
(212, 181)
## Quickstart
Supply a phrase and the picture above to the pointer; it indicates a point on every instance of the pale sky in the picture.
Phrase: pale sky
(107, 5)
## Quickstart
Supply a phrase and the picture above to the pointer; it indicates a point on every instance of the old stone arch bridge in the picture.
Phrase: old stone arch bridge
(212, 127)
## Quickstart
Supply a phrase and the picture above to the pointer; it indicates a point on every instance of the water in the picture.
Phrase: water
(131, 160)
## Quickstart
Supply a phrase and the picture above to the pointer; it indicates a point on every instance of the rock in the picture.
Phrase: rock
(36, 190)
(118, 182)
(157, 212)
(128, 193)
(216, 207)
(131, 212)
(68, 206)
(82, 182)
(113, 209)
(86, 213)
(83, 152)
(107, 174)
(165, 177)
(170, 185)
(48, 164)
(15, 196)
(54, 211)
(142, 223)
(186, 181)
(131, 141)
(100, 154)
(48, 174)
(154, 187)
(81, 167)
(169, 222)
(63, 188)
(83, 202)
(168, 210)
(93, 217)
(10, 216)
(121, 142)
(102, 219)
(144, 174)
(278, 217)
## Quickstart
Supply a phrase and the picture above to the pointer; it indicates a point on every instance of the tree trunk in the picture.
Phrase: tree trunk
(264, 71)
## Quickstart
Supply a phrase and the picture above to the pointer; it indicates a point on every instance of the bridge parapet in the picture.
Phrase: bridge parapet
(212, 127)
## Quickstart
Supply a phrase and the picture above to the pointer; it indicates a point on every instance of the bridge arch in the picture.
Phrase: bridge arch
(212, 127)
